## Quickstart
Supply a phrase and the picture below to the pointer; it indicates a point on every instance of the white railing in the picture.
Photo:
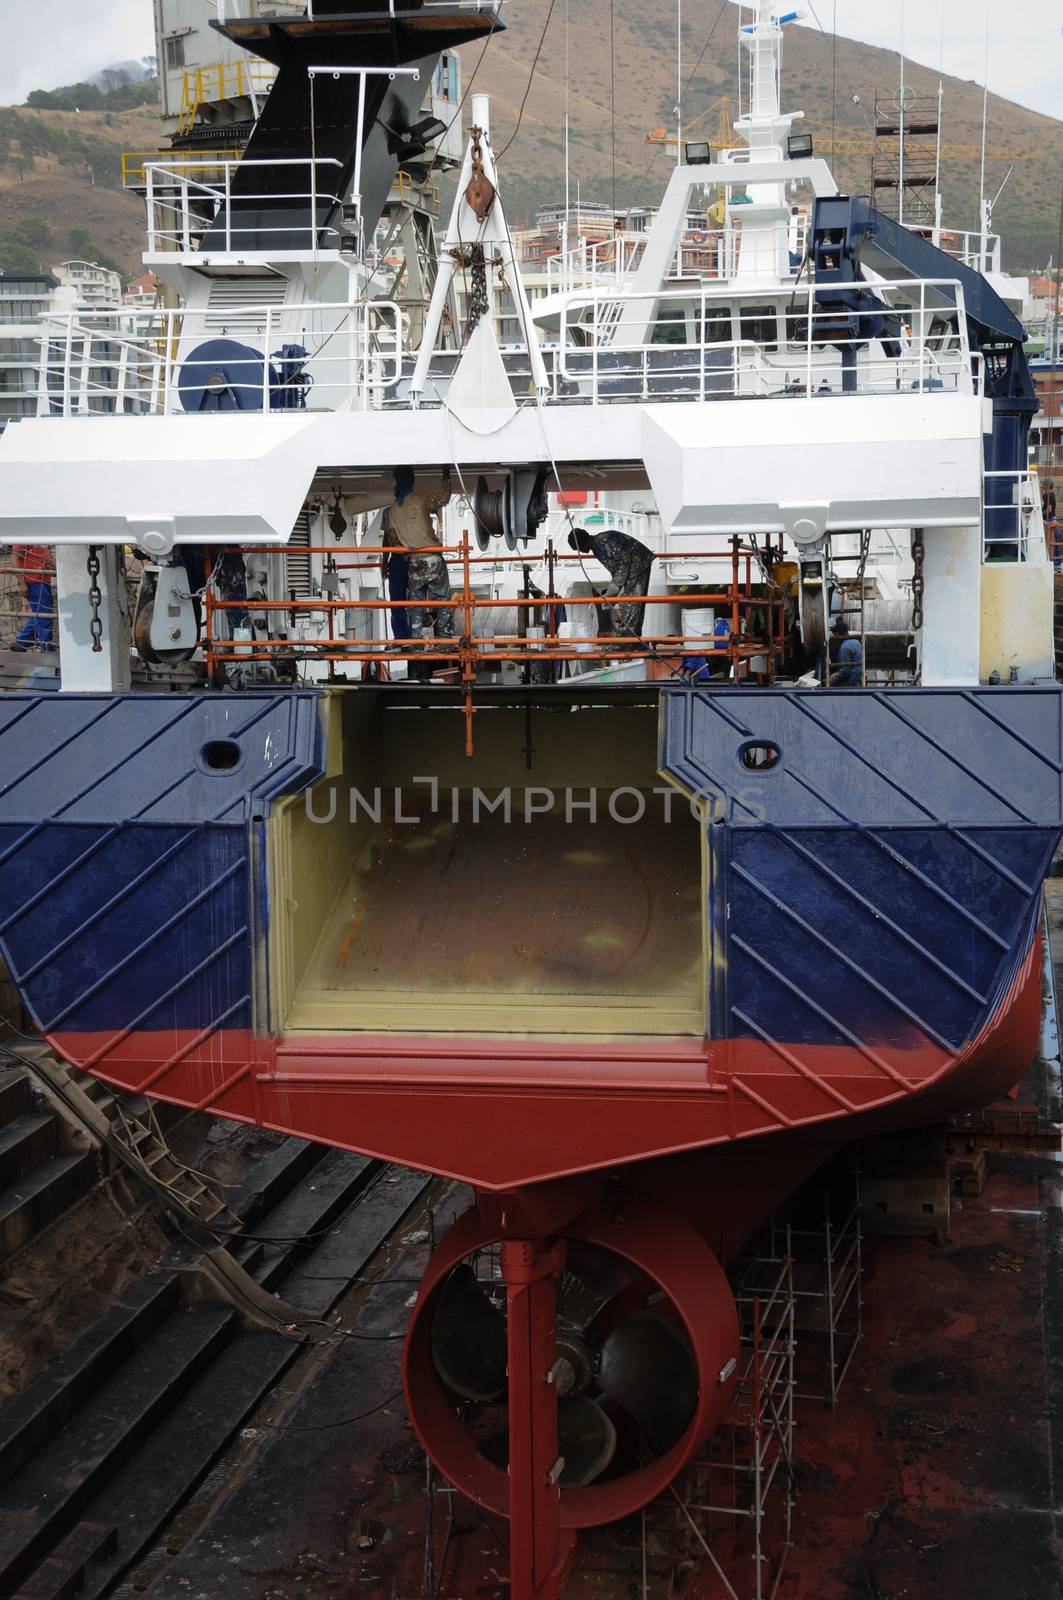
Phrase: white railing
(713, 253)
(788, 349)
(185, 204)
(983, 254)
(1008, 505)
(316, 356)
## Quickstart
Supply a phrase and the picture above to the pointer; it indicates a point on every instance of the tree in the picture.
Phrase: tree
(32, 230)
(17, 256)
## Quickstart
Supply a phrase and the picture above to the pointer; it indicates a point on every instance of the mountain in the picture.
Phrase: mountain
(64, 166)
(130, 71)
(63, 169)
(617, 95)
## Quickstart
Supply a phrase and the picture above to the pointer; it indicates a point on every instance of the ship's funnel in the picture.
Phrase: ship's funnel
(340, 123)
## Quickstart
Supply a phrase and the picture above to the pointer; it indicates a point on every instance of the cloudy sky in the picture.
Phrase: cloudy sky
(1025, 40)
(59, 41)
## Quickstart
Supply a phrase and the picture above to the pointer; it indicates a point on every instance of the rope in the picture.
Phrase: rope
(528, 87)
(612, 99)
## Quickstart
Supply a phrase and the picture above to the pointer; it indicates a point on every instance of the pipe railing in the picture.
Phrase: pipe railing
(745, 654)
(1008, 508)
(314, 356)
(181, 192)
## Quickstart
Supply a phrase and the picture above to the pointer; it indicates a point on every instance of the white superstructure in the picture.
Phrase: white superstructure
(741, 394)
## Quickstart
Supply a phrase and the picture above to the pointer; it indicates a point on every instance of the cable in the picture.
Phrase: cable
(341, 1422)
(531, 80)
(612, 106)
(686, 88)
(856, 100)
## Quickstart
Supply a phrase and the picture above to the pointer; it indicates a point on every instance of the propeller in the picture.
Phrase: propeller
(617, 1356)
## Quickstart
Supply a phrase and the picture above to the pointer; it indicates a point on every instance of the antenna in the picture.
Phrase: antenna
(678, 82)
(568, 178)
(981, 173)
(900, 176)
(936, 236)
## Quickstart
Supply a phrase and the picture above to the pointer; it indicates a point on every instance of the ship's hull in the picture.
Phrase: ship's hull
(869, 903)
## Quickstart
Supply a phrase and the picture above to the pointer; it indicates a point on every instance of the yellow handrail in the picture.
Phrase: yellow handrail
(134, 162)
(222, 80)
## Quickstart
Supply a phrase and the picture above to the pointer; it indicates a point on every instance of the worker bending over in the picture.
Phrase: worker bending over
(629, 564)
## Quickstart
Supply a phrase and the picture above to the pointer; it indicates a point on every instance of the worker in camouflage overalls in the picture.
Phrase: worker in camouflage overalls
(629, 564)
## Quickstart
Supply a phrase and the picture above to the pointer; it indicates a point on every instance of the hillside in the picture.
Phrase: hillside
(644, 59)
(64, 166)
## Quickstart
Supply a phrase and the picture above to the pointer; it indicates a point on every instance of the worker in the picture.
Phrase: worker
(33, 565)
(396, 564)
(629, 564)
(410, 520)
(849, 662)
(1048, 513)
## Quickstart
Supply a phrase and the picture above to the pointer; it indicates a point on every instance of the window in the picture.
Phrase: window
(20, 310)
(717, 325)
(670, 327)
(175, 52)
(759, 324)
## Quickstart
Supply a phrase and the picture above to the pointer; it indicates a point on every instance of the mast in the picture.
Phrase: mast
(764, 126)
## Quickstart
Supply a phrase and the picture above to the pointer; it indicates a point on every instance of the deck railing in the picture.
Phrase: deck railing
(1009, 500)
(317, 357)
(620, 346)
(189, 198)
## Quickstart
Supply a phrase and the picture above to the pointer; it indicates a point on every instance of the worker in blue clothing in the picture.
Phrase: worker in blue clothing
(629, 564)
(849, 662)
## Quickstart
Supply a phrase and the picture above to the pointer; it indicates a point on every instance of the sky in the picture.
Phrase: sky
(1025, 40)
(59, 41)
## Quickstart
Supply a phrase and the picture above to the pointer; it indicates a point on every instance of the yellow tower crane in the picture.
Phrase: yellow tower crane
(955, 152)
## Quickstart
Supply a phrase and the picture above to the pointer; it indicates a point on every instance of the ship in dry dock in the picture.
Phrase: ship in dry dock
(629, 946)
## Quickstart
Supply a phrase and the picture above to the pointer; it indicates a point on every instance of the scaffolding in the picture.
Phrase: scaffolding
(904, 161)
(540, 645)
(824, 1235)
(733, 1506)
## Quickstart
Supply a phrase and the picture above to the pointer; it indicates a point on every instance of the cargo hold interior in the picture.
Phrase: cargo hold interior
(550, 921)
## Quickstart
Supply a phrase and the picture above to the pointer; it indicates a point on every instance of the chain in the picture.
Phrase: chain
(478, 301)
(95, 599)
(918, 552)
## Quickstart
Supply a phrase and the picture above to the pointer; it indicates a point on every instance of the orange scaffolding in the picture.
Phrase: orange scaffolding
(466, 652)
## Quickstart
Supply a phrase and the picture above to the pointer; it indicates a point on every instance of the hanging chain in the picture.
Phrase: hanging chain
(918, 552)
(95, 599)
(478, 301)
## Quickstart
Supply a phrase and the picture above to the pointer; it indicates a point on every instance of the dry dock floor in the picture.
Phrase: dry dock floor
(939, 1478)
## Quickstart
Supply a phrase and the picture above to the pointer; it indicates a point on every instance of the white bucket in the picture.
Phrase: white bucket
(698, 622)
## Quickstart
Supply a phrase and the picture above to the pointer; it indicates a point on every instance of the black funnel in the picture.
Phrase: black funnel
(271, 208)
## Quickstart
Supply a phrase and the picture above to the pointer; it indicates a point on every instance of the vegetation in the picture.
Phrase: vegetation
(120, 92)
(31, 245)
(23, 138)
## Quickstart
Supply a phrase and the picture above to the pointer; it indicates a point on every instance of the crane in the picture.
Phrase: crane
(724, 130)
(957, 152)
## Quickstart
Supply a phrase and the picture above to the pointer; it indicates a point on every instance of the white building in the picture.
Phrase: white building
(95, 288)
(24, 297)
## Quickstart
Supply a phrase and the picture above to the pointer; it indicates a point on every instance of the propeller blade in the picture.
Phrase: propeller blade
(468, 1338)
(586, 1442)
(647, 1367)
(590, 1278)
